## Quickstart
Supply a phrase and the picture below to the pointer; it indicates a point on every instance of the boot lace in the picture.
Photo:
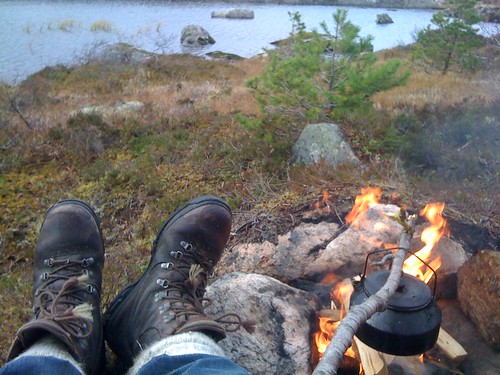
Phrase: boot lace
(193, 270)
(66, 306)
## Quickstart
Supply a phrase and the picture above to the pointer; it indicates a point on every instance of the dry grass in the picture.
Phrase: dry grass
(435, 92)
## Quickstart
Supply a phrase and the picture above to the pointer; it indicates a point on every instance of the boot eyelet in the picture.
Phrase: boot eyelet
(168, 317)
(163, 283)
(44, 276)
(91, 289)
(186, 246)
(87, 262)
(167, 266)
(176, 254)
(48, 262)
(86, 271)
(160, 296)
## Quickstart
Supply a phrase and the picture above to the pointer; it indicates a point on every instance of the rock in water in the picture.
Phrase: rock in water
(195, 36)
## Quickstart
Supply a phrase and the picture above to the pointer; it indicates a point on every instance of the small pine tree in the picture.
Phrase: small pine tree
(451, 39)
(318, 74)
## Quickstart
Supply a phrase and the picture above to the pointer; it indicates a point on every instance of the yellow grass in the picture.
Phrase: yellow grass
(436, 92)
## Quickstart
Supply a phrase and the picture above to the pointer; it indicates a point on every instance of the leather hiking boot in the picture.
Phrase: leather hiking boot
(168, 298)
(69, 257)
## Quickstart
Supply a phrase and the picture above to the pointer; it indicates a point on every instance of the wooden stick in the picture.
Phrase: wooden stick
(359, 314)
(372, 361)
(450, 347)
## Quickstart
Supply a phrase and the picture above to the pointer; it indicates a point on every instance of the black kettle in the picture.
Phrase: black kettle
(409, 325)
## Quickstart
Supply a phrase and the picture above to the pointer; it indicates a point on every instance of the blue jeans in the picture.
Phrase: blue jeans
(190, 364)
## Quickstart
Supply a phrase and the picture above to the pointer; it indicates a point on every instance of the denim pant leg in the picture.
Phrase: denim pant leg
(38, 365)
(191, 364)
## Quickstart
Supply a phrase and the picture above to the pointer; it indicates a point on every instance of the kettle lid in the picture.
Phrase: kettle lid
(412, 293)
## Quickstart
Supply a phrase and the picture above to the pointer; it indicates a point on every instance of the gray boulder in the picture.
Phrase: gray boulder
(281, 343)
(234, 13)
(383, 19)
(195, 36)
(286, 260)
(323, 142)
(123, 53)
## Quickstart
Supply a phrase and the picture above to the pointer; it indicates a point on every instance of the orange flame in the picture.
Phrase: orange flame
(368, 197)
(324, 336)
(430, 236)
(324, 203)
(327, 327)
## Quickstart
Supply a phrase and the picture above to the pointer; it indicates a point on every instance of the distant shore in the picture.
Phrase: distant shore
(401, 4)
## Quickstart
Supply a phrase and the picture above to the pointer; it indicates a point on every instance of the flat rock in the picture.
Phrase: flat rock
(281, 342)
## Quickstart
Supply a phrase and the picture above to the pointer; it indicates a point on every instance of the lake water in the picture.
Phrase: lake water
(35, 34)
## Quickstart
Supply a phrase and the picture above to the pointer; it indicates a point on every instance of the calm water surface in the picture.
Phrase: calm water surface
(35, 34)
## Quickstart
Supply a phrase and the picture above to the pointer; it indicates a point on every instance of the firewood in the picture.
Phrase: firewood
(450, 347)
(373, 361)
(333, 315)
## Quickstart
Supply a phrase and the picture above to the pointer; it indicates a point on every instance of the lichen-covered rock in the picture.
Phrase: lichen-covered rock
(195, 36)
(283, 315)
(479, 294)
(323, 142)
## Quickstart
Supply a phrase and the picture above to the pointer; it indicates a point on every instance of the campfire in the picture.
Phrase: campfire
(422, 265)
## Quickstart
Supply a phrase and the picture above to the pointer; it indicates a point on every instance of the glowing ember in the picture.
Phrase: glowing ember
(368, 197)
(430, 236)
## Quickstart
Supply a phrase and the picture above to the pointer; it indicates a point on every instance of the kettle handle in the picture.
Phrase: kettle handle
(406, 250)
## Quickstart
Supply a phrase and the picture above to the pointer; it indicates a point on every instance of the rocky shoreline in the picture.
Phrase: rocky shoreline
(401, 4)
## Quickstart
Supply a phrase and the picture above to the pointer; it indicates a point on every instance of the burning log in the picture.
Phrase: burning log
(359, 314)
(450, 347)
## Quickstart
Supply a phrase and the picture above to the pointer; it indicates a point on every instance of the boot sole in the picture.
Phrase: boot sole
(181, 211)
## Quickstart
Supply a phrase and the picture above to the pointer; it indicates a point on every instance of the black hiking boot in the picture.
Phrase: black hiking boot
(69, 257)
(168, 298)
